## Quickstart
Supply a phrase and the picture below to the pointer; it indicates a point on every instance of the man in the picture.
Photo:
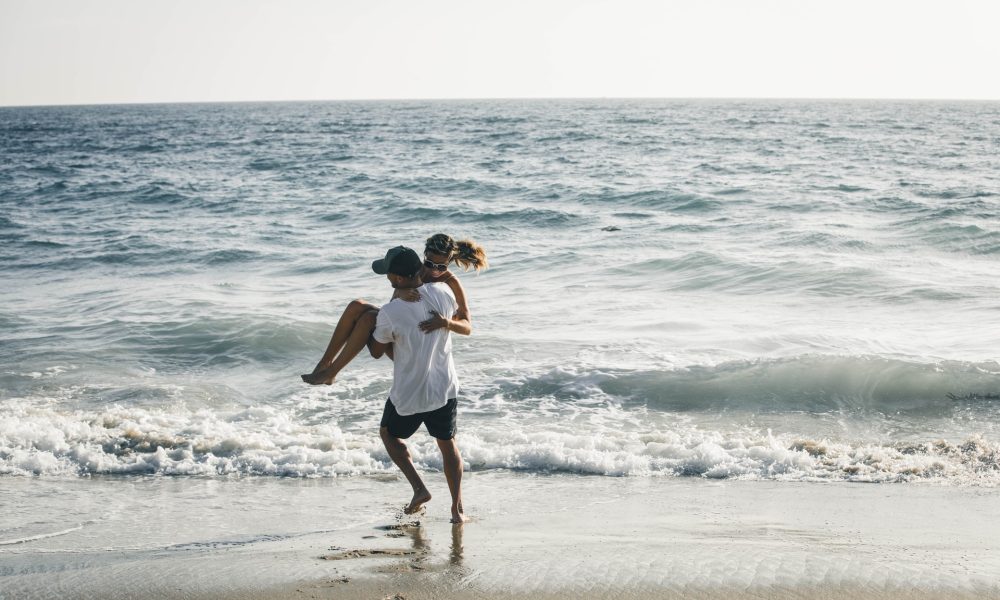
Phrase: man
(425, 384)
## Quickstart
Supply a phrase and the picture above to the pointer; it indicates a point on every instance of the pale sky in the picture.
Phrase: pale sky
(112, 51)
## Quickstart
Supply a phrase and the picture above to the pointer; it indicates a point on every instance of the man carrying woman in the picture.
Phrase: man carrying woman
(409, 329)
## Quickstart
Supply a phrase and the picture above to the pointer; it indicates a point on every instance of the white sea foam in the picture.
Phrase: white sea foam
(259, 441)
(270, 441)
(41, 536)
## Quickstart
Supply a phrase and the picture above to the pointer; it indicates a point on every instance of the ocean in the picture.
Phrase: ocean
(790, 291)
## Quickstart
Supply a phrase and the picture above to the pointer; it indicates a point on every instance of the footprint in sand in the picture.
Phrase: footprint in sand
(362, 553)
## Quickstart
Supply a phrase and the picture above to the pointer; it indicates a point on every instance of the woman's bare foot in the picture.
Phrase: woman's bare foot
(420, 497)
(322, 377)
(457, 515)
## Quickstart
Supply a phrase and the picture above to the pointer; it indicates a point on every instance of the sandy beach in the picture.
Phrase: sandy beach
(530, 536)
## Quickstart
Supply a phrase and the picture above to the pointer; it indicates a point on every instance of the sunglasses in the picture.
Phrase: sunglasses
(435, 266)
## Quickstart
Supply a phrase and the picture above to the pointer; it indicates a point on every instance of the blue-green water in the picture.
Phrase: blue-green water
(778, 290)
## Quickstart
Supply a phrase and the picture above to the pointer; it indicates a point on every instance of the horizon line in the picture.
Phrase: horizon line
(507, 98)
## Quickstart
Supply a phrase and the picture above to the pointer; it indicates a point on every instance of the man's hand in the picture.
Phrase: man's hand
(435, 322)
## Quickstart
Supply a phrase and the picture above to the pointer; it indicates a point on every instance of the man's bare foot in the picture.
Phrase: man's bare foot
(322, 377)
(420, 497)
(457, 515)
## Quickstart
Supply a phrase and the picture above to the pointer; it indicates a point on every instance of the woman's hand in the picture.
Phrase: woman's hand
(435, 322)
(407, 294)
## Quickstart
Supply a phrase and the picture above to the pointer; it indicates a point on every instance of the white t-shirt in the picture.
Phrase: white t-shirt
(423, 372)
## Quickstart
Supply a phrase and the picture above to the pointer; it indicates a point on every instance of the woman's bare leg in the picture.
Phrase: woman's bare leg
(356, 341)
(341, 333)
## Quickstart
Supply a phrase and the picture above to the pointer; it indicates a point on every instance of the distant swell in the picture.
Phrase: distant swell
(808, 383)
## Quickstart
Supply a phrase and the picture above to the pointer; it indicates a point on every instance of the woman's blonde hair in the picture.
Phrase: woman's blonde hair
(466, 253)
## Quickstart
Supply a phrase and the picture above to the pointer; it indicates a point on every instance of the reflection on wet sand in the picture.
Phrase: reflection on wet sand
(423, 553)
(419, 557)
(456, 544)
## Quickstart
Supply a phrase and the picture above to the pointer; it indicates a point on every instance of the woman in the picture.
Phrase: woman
(358, 321)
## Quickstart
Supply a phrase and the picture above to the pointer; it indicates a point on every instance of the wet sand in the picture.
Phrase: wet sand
(530, 536)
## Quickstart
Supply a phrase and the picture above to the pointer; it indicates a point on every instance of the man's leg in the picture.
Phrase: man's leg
(400, 455)
(453, 473)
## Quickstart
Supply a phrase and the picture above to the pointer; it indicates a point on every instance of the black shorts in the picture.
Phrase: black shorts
(441, 423)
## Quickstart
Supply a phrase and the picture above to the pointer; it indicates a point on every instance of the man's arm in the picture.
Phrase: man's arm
(378, 349)
(380, 341)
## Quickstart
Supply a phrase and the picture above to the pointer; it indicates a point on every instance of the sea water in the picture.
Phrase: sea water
(772, 290)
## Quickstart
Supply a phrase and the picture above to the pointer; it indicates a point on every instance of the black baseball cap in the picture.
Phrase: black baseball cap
(400, 260)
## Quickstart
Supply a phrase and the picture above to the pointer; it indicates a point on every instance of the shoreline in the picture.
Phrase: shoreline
(529, 536)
